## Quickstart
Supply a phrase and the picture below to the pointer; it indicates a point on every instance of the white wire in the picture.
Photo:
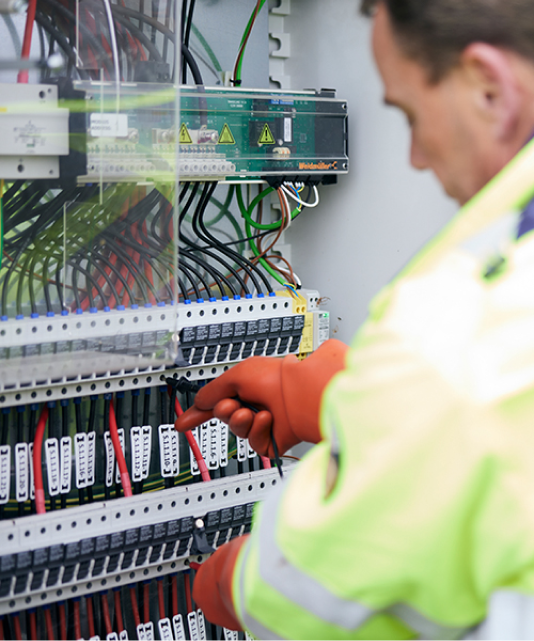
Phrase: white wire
(292, 195)
(288, 210)
(288, 273)
(114, 48)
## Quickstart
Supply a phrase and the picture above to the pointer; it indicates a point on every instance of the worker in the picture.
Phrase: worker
(413, 516)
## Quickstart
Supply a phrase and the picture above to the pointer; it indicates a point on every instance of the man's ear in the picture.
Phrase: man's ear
(495, 91)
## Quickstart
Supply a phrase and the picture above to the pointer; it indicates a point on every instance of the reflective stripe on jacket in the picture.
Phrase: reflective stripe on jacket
(432, 423)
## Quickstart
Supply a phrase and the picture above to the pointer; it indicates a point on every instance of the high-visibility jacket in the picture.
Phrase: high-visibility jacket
(432, 427)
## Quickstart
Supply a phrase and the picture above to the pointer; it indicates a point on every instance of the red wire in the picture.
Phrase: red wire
(105, 613)
(174, 587)
(118, 611)
(37, 464)
(77, 624)
(146, 602)
(266, 462)
(62, 622)
(90, 616)
(2, 629)
(204, 473)
(135, 608)
(23, 74)
(16, 625)
(187, 587)
(161, 599)
(49, 627)
(119, 454)
(33, 626)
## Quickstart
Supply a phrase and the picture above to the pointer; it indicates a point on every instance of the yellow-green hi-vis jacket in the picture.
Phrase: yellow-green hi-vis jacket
(432, 513)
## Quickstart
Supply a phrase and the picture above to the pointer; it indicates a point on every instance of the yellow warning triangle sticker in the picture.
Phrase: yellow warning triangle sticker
(185, 137)
(226, 137)
(266, 137)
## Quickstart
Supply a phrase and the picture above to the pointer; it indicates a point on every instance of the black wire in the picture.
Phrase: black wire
(185, 39)
(246, 265)
(204, 250)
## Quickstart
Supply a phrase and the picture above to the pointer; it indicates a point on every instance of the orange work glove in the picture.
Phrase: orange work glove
(212, 589)
(286, 391)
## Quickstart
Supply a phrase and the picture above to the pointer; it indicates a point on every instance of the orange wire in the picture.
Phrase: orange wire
(119, 454)
(40, 504)
(62, 622)
(77, 623)
(16, 625)
(161, 599)
(90, 615)
(203, 468)
(146, 602)
(135, 607)
(33, 625)
(118, 611)
(49, 627)
(105, 613)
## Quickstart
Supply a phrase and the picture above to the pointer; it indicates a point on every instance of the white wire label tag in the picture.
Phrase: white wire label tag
(223, 449)
(21, 471)
(5, 473)
(32, 478)
(123, 636)
(165, 629)
(213, 445)
(141, 632)
(52, 465)
(91, 457)
(192, 623)
(175, 452)
(178, 627)
(204, 440)
(194, 464)
(166, 450)
(251, 453)
(136, 449)
(249, 637)
(80, 454)
(109, 125)
(201, 625)
(147, 447)
(66, 464)
(110, 462)
(112, 636)
(149, 631)
(120, 432)
(242, 448)
(230, 635)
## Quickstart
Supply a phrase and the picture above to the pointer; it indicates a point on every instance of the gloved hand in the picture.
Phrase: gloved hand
(286, 391)
(212, 590)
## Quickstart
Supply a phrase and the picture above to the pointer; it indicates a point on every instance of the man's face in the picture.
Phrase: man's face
(449, 134)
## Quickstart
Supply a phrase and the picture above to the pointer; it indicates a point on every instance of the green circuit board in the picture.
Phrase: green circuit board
(216, 133)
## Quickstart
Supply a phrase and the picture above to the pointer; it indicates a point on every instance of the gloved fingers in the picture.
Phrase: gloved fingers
(259, 435)
(225, 386)
(225, 408)
(212, 588)
(241, 422)
(192, 418)
(208, 597)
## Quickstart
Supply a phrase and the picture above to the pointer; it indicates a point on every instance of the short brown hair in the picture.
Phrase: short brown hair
(435, 32)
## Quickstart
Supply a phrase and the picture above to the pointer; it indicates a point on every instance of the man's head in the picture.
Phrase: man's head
(463, 73)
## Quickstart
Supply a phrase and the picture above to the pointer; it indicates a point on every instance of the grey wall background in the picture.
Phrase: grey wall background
(370, 224)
